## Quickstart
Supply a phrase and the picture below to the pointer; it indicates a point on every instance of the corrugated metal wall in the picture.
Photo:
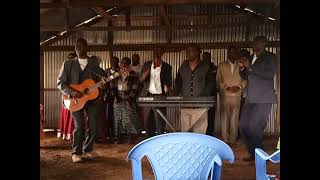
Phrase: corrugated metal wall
(53, 60)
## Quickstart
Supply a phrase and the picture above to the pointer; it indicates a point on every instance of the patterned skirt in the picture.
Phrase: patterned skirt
(125, 120)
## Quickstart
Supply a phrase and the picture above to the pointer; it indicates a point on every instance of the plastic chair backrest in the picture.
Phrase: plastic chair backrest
(261, 165)
(181, 155)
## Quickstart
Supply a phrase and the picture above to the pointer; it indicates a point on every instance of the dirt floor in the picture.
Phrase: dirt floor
(110, 164)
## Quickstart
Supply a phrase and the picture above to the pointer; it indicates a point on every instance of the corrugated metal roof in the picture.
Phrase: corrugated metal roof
(56, 17)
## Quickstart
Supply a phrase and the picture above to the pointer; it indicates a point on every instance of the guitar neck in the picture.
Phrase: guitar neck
(100, 83)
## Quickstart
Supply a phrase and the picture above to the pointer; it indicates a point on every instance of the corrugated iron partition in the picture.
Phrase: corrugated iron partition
(52, 97)
(54, 60)
(217, 14)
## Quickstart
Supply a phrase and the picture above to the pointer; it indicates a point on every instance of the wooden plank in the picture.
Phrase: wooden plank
(41, 77)
(110, 34)
(102, 12)
(49, 89)
(66, 17)
(167, 46)
(175, 16)
(125, 28)
(163, 12)
(128, 17)
(97, 3)
(164, 16)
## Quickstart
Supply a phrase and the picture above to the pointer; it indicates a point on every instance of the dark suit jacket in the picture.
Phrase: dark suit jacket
(165, 77)
(70, 73)
(260, 76)
(204, 82)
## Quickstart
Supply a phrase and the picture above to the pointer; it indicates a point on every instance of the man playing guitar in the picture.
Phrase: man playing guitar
(76, 71)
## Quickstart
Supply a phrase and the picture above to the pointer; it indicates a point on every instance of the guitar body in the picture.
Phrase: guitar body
(76, 104)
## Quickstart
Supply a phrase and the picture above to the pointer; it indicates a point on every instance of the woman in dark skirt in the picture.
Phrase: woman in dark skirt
(125, 111)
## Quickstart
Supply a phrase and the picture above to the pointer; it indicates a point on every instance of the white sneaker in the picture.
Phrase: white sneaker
(76, 158)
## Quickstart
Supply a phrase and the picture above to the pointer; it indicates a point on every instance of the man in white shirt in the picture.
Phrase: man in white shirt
(157, 81)
(230, 86)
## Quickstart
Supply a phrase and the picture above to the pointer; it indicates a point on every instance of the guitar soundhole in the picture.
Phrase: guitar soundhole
(86, 91)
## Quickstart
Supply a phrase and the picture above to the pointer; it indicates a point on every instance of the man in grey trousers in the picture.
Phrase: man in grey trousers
(260, 95)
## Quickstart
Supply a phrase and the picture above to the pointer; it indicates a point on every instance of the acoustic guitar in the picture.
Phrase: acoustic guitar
(89, 91)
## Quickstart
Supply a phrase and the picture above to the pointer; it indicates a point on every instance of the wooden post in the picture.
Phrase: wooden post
(166, 21)
(127, 13)
(41, 77)
(277, 119)
(110, 39)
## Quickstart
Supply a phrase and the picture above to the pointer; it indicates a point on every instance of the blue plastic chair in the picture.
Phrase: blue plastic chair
(261, 163)
(181, 155)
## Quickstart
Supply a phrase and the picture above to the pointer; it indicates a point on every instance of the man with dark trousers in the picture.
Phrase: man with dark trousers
(206, 57)
(75, 71)
(244, 56)
(109, 95)
(260, 95)
(157, 81)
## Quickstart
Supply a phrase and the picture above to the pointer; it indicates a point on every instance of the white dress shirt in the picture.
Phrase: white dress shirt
(155, 82)
(83, 63)
(254, 59)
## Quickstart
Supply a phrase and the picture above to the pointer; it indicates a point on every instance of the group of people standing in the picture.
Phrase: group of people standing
(239, 80)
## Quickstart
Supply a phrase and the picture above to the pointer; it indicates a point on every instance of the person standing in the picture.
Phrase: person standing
(157, 81)
(109, 94)
(125, 110)
(230, 85)
(194, 78)
(206, 57)
(75, 71)
(260, 95)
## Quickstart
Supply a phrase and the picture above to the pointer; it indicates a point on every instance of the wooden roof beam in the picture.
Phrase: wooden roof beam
(126, 28)
(164, 15)
(175, 16)
(150, 47)
(102, 12)
(97, 3)
(166, 20)
(128, 17)
(66, 15)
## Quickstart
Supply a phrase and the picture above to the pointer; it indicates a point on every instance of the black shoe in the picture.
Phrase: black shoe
(117, 140)
(100, 141)
(130, 140)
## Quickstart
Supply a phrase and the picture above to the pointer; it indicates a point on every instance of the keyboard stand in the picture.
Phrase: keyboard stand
(164, 118)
